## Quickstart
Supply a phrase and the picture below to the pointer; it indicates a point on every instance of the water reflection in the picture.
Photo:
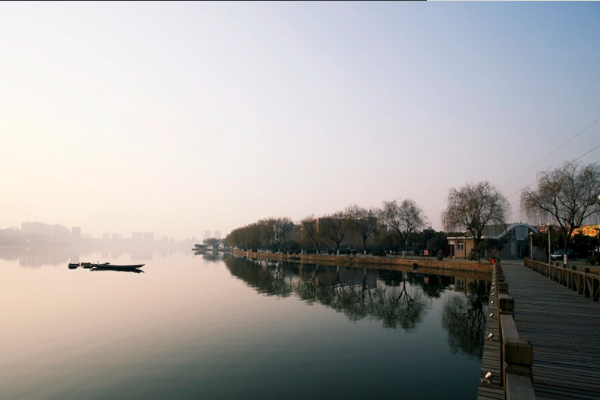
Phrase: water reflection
(134, 270)
(210, 256)
(193, 328)
(57, 256)
(464, 319)
(398, 299)
(36, 256)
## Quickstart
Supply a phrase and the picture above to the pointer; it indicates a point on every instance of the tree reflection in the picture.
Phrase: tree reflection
(398, 307)
(265, 276)
(357, 293)
(210, 256)
(464, 319)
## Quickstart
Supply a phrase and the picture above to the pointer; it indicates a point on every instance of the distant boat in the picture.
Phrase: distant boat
(111, 266)
(73, 265)
(121, 269)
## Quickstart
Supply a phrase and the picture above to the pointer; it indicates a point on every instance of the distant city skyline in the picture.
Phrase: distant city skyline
(233, 112)
(75, 232)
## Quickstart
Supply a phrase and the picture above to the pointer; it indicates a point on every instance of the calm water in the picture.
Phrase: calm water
(194, 327)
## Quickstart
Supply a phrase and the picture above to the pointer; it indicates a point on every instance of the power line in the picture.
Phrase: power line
(537, 180)
(563, 145)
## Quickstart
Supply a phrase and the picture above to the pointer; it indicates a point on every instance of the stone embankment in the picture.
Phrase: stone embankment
(371, 262)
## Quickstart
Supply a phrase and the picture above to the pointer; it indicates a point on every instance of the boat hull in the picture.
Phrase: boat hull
(111, 266)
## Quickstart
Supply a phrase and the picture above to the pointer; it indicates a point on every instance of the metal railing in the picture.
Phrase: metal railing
(581, 281)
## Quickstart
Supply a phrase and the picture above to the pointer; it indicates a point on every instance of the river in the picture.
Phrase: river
(221, 327)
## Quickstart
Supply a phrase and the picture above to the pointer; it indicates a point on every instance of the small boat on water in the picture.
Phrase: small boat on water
(112, 266)
(105, 265)
(109, 268)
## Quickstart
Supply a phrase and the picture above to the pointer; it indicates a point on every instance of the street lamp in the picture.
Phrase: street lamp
(531, 245)
(549, 225)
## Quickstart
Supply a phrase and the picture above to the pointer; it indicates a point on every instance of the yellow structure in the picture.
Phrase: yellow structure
(588, 230)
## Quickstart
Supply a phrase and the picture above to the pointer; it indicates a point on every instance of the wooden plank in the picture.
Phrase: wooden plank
(491, 357)
(562, 326)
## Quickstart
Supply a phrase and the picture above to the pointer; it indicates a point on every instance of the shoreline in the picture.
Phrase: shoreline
(372, 262)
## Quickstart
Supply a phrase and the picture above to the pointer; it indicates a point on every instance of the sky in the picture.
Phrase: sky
(176, 118)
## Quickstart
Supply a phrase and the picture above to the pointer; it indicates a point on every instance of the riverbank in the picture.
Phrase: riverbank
(371, 261)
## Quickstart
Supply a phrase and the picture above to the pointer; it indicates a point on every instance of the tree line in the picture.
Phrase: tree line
(394, 227)
(565, 197)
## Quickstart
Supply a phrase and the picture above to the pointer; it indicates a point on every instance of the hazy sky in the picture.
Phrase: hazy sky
(180, 117)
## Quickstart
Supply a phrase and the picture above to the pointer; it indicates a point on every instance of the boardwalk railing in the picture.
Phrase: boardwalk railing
(516, 354)
(581, 281)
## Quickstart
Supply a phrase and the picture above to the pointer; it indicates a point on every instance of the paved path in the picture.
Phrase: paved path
(564, 329)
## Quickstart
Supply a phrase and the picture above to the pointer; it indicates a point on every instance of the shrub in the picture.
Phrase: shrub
(472, 255)
(593, 260)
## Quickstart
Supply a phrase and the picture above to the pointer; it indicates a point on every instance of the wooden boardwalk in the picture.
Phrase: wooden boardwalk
(564, 329)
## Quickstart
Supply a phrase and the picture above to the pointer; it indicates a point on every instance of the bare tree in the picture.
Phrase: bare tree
(309, 231)
(266, 231)
(473, 207)
(282, 227)
(212, 242)
(336, 227)
(567, 195)
(403, 218)
(364, 221)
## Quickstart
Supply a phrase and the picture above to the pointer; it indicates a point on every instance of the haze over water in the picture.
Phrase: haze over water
(200, 327)
(177, 118)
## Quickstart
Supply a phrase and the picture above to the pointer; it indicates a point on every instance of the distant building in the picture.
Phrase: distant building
(76, 232)
(86, 236)
(116, 236)
(40, 228)
(516, 235)
(137, 236)
(105, 236)
(218, 234)
(148, 237)
(207, 234)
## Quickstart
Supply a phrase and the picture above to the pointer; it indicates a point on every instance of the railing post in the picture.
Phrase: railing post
(506, 305)
(517, 369)
(516, 355)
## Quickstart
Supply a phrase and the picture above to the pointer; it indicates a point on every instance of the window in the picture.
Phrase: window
(512, 234)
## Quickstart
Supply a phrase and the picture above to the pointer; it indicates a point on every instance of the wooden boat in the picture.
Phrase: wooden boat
(112, 266)
(109, 268)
